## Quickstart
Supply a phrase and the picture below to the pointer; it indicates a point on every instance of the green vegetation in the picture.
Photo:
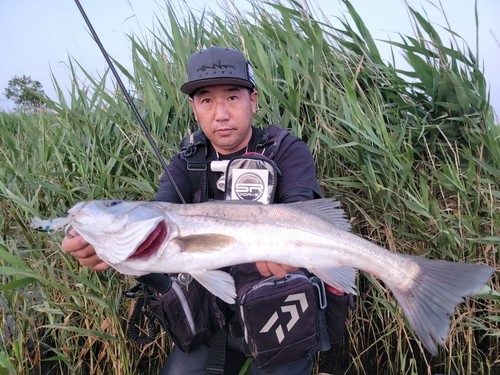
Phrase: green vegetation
(413, 155)
(26, 93)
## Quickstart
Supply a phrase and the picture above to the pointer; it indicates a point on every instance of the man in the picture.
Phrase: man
(223, 98)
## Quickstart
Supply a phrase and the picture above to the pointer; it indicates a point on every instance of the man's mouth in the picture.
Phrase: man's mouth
(224, 131)
(152, 243)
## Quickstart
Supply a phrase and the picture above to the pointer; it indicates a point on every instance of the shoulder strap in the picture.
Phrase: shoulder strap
(194, 149)
(217, 353)
(270, 141)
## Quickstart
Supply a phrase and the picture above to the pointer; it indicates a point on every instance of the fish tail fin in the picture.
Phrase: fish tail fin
(439, 287)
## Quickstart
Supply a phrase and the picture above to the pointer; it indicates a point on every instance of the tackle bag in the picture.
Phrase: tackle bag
(188, 313)
(279, 317)
(336, 310)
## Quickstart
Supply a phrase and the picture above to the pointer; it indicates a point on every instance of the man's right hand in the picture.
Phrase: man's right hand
(75, 245)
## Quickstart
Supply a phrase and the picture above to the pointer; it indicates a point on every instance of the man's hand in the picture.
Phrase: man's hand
(276, 269)
(75, 245)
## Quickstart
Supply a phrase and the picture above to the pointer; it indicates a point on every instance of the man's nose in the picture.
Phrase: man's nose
(221, 111)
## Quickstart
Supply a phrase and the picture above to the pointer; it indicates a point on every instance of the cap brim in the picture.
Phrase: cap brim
(190, 87)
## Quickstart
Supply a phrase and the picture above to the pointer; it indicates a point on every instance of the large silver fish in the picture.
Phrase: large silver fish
(143, 237)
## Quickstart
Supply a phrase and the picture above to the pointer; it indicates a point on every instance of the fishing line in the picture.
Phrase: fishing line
(130, 101)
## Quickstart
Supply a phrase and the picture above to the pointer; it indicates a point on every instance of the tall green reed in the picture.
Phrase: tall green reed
(413, 155)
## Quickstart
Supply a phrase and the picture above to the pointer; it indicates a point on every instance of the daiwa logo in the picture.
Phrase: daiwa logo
(289, 309)
(249, 186)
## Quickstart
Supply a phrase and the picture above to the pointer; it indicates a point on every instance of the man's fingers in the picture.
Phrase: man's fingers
(73, 242)
(83, 253)
(276, 269)
(263, 268)
(71, 233)
(88, 258)
(75, 245)
(94, 263)
(289, 268)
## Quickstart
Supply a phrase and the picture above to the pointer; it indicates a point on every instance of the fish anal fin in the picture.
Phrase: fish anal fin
(341, 278)
(198, 243)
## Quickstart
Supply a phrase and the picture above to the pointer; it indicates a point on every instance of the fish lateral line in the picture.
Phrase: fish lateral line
(202, 243)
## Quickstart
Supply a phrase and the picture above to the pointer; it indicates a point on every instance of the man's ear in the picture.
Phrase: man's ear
(191, 103)
(253, 99)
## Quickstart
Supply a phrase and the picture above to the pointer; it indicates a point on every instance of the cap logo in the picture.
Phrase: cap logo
(218, 66)
(215, 66)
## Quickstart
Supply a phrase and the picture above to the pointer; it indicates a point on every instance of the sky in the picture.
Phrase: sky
(37, 37)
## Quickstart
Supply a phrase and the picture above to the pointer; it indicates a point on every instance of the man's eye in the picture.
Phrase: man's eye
(113, 203)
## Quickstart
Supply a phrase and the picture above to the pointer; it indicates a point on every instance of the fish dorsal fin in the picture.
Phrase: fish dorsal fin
(198, 243)
(328, 209)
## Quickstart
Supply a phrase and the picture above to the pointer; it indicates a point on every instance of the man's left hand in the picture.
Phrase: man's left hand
(276, 269)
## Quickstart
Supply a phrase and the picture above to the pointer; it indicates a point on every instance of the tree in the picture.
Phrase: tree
(25, 92)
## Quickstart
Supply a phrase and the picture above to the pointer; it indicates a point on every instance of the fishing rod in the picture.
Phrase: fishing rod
(130, 101)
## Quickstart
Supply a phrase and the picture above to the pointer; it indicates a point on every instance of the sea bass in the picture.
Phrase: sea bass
(137, 238)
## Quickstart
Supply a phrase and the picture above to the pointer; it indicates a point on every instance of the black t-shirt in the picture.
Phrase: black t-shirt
(297, 181)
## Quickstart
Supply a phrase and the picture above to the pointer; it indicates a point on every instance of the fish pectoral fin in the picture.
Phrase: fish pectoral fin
(341, 278)
(198, 243)
(219, 283)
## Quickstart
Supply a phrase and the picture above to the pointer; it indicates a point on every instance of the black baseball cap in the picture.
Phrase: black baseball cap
(218, 66)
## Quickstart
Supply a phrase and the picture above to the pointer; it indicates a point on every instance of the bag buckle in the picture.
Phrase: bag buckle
(184, 279)
(320, 287)
(220, 166)
(193, 165)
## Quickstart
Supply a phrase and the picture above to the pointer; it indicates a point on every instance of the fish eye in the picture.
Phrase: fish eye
(113, 203)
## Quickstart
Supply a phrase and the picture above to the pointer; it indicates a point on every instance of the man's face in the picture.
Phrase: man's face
(224, 113)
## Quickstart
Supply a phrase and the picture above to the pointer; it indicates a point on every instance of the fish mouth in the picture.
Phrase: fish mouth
(152, 243)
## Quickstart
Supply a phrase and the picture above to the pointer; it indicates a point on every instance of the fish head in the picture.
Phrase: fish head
(120, 231)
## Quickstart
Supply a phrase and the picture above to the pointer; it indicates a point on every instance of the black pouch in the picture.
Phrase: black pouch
(279, 318)
(336, 314)
(251, 177)
(189, 314)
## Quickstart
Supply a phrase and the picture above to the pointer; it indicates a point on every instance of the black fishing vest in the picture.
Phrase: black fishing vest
(194, 151)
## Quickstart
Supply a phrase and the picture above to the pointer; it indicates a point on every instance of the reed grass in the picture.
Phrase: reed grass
(413, 155)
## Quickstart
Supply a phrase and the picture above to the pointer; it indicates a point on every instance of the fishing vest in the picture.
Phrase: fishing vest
(194, 151)
(260, 299)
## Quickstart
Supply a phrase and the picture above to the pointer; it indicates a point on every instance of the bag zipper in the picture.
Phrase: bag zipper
(185, 307)
(272, 280)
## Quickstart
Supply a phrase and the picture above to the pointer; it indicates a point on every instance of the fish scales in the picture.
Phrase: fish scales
(143, 237)
(274, 234)
(280, 236)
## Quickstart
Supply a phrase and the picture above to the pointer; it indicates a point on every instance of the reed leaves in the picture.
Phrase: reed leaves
(412, 154)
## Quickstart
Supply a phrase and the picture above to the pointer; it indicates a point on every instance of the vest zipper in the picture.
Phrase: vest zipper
(185, 307)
